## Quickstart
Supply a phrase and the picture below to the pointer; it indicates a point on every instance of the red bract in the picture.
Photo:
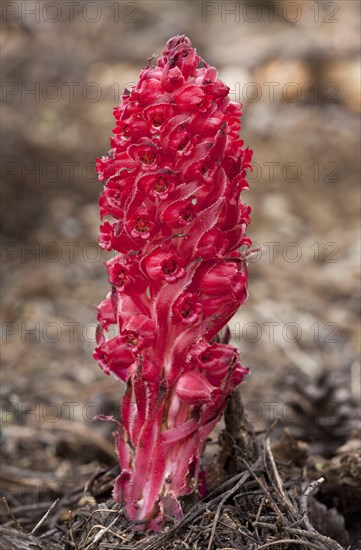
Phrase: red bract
(175, 221)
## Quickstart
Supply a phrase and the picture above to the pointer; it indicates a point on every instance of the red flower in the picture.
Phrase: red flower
(138, 332)
(167, 265)
(107, 235)
(114, 357)
(106, 315)
(187, 309)
(174, 221)
(145, 154)
(157, 185)
(217, 360)
(125, 275)
(140, 224)
(194, 389)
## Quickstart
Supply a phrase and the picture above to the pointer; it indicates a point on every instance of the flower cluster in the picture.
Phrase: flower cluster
(172, 213)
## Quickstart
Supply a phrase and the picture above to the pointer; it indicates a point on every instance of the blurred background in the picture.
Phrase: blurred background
(295, 66)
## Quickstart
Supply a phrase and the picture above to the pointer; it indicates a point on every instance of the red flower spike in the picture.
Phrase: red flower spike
(174, 219)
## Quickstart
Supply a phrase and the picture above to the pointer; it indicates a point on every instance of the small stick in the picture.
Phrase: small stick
(304, 502)
(278, 479)
(45, 517)
(326, 541)
(316, 536)
(259, 511)
(220, 505)
(12, 515)
(289, 541)
(107, 510)
(102, 531)
(266, 492)
(71, 530)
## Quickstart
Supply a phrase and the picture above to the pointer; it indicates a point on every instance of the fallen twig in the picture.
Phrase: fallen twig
(45, 517)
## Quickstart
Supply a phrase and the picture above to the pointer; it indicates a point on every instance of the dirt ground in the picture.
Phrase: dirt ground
(296, 68)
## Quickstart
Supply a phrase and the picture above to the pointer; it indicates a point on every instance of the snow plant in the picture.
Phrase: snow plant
(173, 217)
